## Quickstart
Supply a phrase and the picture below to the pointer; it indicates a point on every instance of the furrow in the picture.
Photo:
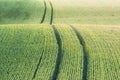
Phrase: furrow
(72, 59)
(37, 67)
(85, 55)
(59, 56)
(52, 10)
(43, 18)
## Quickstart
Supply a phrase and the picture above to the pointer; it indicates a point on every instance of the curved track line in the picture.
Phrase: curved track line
(59, 56)
(38, 64)
(43, 18)
(85, 55)
(51, 20)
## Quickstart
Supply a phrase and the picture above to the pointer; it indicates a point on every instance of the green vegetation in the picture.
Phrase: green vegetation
(31, 12)
(48, 60)
(30, 52)
(16, 12)
(74, 12)
(72, 59)
(48, 13)
(103, 43)
(59, 40)
(21, 47)
(87, 15)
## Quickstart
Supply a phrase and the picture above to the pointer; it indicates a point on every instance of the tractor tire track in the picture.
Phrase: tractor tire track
(43, 18)
(59, 56)
(38, 64)
(51, 20)
(85, 53)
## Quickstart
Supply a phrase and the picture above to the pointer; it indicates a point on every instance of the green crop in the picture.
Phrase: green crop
(21, 47)
(16, 12)
(48, 60)
(59, 40)
(103, 43)
(72, 60)
(72, 12)
(82, 51)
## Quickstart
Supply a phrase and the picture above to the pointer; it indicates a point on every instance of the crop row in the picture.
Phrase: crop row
(103, 43)
(21, 48)
(31, 52)
(78, 12)
(28, 12)
(71, 66)
(13, 12)
(47, 18)
(47, 65)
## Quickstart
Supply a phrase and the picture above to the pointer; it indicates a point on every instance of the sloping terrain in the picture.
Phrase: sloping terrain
(59, 40)
(58, 52)
(103, 45)
(54, 11)
(25, 53)
(21, 11)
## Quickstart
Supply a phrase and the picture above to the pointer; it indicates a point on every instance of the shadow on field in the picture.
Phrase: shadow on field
(59, 56)
(85, 53)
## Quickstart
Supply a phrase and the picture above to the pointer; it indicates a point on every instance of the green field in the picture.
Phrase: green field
(59, 40)
(103, 43)
(20, 11)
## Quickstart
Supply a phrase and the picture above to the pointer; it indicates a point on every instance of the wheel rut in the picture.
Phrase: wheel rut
(59, 54)
(38, 64)
(85, 53)
(43, 18)
(44, 15)
(52, 10)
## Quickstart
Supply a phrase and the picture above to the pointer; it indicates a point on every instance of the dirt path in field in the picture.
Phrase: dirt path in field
(85, 55)
(43, 18)
(38, 64)
(51, 20)
(59, 56)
